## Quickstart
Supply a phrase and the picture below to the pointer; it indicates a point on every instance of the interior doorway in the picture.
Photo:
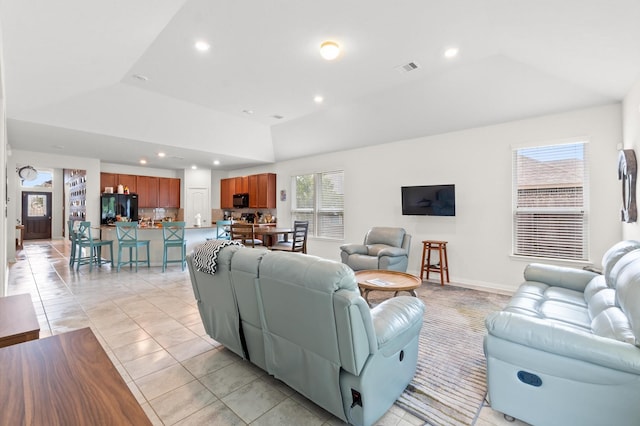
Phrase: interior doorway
(36, 215)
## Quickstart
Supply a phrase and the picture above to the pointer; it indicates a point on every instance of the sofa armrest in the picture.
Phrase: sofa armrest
(554, 338)
(354, 248)
(392, 251)
(560, 276)
(396, 321)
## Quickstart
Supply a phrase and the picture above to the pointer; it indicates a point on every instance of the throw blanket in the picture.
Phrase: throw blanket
(205, 257)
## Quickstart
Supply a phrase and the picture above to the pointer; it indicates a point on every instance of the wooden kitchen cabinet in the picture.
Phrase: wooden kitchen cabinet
(130, 181)
(169, 192)
(253, 191)
(227, 189)
(108, 180)
(242, 185)
(147, 191)
(262, 191)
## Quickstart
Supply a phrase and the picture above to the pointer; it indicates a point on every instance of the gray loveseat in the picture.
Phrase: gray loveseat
(302, 319)
(565, 350)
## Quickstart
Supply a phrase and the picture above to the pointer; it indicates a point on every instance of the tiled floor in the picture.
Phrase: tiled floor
(149, 325)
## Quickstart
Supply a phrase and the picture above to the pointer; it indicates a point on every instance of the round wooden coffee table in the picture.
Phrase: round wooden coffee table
(383, 280)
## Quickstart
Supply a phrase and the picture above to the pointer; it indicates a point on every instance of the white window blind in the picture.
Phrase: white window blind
(550, 201)
(319, 199)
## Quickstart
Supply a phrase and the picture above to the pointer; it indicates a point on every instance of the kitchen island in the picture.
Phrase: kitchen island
(193, 235)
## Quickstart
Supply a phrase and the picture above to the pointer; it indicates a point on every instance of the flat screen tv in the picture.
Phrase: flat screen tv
(429, 200)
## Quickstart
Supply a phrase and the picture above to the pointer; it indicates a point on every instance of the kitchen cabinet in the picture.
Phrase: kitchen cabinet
(242, 184)
(148, 191)
(227, 189)
(262, 191)
(114, 179)
(169, 192)
(130, 181)
(152, 191)
(108, 180)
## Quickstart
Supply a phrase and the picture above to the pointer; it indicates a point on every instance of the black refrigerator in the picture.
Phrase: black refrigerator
(124, 205)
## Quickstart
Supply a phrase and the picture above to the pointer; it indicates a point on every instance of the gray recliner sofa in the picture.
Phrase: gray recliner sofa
(566, 348)
(383, 248)
(302, 319)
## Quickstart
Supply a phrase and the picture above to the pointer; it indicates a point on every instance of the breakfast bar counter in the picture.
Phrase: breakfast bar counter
(193, 235)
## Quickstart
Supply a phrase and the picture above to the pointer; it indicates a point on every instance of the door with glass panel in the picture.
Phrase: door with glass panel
(36, 215)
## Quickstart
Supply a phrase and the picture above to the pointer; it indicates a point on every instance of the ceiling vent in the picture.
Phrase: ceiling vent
(409, 66)
(277, 116)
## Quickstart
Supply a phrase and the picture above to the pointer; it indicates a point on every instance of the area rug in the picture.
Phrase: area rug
(449, 386)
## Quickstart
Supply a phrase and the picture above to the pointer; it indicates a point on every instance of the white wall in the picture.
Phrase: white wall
(4, 270)
(631, 138)
(478, 162)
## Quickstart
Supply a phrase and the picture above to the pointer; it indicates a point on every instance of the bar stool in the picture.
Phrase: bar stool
(127, 233)
(173, 235)
(442, 266)
(85, 240)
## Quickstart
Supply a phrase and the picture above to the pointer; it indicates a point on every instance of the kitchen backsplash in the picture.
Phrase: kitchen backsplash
(158, 213)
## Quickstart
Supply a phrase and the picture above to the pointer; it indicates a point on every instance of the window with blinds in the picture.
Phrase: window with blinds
(319, 199)
(550, 188)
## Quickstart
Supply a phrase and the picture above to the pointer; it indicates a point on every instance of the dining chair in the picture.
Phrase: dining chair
(72, 238)
(245, 233)
(298, 242)
(173, 235)
(222, 230)
(85, 240)
(127, 233)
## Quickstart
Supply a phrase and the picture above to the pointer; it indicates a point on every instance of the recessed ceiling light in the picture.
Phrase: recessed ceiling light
(140, 77)
(143, 161)
(329, 50)
(202, 45)
(318, 99)
(161, 154)
(216, 162)
(194, 167)
(451, 52)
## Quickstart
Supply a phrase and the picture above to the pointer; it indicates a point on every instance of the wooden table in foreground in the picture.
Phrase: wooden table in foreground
(383, 280)
(18, 321)
(66, 379)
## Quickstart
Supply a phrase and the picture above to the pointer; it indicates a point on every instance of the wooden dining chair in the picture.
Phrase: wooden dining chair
(298, 243)
(245, 233)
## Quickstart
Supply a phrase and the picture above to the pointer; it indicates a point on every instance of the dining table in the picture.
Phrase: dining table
(270, 234)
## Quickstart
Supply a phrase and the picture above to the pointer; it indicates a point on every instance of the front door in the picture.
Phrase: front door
(36, 215)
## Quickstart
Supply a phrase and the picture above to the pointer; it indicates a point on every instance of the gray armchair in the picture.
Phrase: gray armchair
(383, 248)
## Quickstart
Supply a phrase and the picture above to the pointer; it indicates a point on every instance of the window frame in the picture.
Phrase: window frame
(546, 222)
(317, 211)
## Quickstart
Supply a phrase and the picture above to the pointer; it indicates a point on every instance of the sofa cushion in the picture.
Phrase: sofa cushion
(613, 255)
(566, 313)
(594, 286)
(374, 249)
(628, 293)
(385, 235)
(601, 301)
(614, 324)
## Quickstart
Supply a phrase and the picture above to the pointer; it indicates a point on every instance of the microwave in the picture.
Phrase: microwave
(240, 201)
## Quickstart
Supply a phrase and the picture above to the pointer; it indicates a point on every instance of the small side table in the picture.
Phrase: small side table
(442, 267)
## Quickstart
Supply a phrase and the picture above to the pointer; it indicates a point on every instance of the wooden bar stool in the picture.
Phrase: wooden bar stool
(442, 266)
